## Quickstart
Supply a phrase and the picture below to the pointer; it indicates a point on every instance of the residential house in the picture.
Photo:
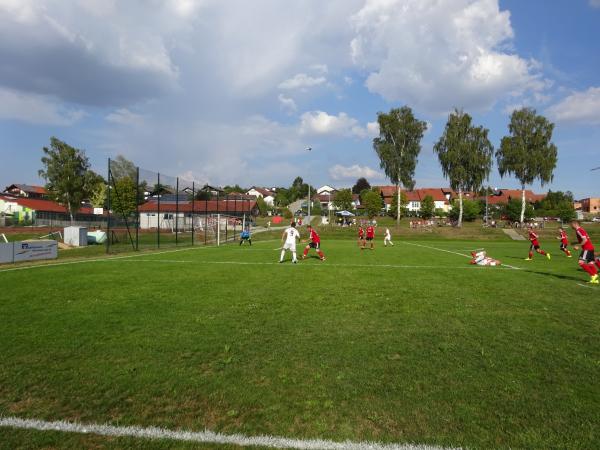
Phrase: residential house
(590, 205)
(268, 195)
(26, 190)
(40, 211)
(183, 214)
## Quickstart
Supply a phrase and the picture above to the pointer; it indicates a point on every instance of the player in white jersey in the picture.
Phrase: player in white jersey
(288, 238)
(387, 238)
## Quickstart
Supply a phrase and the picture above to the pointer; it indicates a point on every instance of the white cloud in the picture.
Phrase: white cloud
(123, 116)
(287, 104)
(36, 109)
(579, 108)
(373, 129)
(319, 68)
(440, 54)
(339, 172)
(301, 81)
(595, 3)
(321, 123)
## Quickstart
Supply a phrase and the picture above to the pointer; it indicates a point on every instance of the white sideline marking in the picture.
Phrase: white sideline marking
(454, 253)
(203, 436)
(259, 263)
(585, 286)
(107, 258)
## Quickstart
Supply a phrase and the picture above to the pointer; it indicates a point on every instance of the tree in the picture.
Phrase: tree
(98, 195)
(121, 167)
(316, 208)
(398, 146)
(69, 179)
(343, 199)
(512, 210)
(465, 154)
(235, 188)
(203, 195)
(528, 152)
(123, 197)
(160, 189)
(262, 206)
(565, 211)
(403, 204)
(360, 185)
(371, 201)
(470, 212)
(427, 207)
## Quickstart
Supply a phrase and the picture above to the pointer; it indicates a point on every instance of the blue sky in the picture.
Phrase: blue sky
(232, 92)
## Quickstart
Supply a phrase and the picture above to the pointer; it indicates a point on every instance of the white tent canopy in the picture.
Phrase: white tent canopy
(344, 213)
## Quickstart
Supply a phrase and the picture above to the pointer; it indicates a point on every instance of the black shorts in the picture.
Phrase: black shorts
(536, 247)
(563, 246)
(369, 239)
(587, 256)
(315, 245)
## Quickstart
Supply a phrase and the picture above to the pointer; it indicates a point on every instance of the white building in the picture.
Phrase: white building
(267, 195)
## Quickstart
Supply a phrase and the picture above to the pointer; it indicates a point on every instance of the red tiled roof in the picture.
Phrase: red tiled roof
(29, 188)
(436, 193)
(43, 205)
(200, 206)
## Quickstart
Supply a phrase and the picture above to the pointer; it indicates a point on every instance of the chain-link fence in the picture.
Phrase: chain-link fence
(153, 210)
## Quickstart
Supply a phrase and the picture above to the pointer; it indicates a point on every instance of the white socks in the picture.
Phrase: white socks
(294, 258)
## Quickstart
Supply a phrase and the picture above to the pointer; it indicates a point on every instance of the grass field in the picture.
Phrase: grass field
(408, 344)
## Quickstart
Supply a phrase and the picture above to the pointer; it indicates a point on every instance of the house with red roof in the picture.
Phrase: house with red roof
(26, 190)
(184, 213)
(268, 195)
(39, 211)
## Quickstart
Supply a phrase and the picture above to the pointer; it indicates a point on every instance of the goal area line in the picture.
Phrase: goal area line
(205, 437)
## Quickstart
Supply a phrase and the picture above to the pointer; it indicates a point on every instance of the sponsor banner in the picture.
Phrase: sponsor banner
(6, 252)
(33, 250)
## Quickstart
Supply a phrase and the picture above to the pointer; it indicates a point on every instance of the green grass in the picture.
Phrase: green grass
(402, 344)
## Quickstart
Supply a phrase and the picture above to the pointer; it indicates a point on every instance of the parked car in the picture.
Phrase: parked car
(596, 219)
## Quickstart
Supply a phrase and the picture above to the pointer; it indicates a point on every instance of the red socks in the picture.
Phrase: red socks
(589, 268)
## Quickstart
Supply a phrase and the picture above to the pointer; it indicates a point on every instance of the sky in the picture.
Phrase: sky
(234, 91)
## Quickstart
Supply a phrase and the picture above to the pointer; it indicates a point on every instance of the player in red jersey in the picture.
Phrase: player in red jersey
(535, 245)
(370, 236)
(564, 241)
(586, 258)
(361, 236)
(315, 242)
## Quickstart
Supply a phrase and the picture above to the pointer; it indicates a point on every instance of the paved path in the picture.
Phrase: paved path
(513, 234)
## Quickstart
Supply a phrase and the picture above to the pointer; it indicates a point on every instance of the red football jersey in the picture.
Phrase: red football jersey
(370, 231)
(314, 237)
(563, 237)
(533, 237)
(581, 234)
(361, 232)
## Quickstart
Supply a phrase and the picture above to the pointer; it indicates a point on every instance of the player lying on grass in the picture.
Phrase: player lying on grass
(481, 259)
(315, 242)
(586, 258)
(535, 245)
(564, 241)
(288, 238)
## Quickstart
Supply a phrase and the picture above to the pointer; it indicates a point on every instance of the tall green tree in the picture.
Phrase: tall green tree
(465, 154)
(360, 185)
(398, 146)
(343, 199)
(527, 152)
(371, 201)
(69, 179)
(124, 196)
(427, 207)
(403, 204)
(512, 210)
(121, 167)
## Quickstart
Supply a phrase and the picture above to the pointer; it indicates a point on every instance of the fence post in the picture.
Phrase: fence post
(205, 214)
(218, 230)
(108, 207)
(193, 208)
(137, 208)
(177, 212)
(158, 212)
